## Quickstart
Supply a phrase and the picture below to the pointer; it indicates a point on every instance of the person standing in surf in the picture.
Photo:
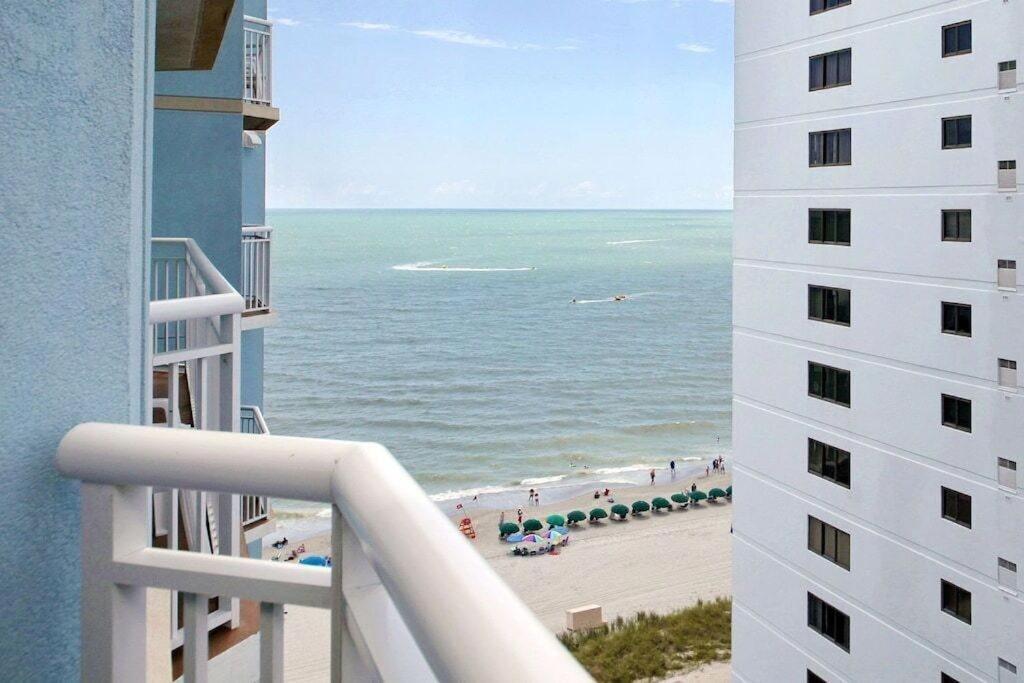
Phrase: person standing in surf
(652, 477)
(672, 468)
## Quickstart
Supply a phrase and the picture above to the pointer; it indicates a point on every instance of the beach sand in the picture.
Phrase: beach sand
(656, 562)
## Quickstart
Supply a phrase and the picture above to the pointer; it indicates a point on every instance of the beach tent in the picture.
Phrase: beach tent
(640, 506)
(560, 529)
(556, 520)
(314, 560)
(533, 538)
(660, 503)
(576, 516)
(514, 538)
(679, 498)
(508, 528)
(716, 493)
(532, 525)
(728, 491)
(697, 496)
(598, 513)
(620, 510)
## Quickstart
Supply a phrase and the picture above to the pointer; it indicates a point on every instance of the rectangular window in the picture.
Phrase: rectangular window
(828, 226)
(956, 39)
(828, 462)
(1008, 373)
(828, 304)
(956, 132)
(956, 319)
(1008, 75)
(828, 621)
(1007, 671)
(826, 540)
(956, 601)
(814, 678)
(1007, 472)
(830, 147)
(818, 6)
(1007, 574)
(956, 507)
(1008, 165)
(831, 69)
(828, 383)
(956, 412)
(956, 225)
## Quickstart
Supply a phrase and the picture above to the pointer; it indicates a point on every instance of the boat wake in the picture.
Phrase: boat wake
(430, 266)
(613, 299)
(621, 242)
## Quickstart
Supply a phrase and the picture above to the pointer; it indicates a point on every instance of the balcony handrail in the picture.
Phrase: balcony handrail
(467, 623)
(257, 230)
(258, 20)
(220, 299)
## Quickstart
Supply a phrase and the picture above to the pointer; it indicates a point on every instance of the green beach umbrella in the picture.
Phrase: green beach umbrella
(660, 503)
(532, 525)
(620, 510)
(640, 506)
(716, 493)
(556, 520)
(576, 516)
(597, 513)
(728, 491)
(679, 498)
(697, 496)
(508, 528)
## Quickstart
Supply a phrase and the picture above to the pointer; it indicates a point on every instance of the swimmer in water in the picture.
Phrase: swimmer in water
(573, 301)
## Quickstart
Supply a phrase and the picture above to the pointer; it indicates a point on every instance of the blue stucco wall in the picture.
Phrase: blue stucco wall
(73, 212)
(223, 80)
(252, 368)
(254, 165)
(197, 183)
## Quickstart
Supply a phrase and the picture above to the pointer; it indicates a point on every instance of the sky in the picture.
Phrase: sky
(600, 104)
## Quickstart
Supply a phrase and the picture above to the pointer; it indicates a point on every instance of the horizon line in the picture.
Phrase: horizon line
(442, 208)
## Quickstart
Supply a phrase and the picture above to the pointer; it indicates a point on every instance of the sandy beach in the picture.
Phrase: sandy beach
(658, 561)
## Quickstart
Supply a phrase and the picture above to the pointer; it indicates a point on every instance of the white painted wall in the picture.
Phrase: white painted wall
(899, 271)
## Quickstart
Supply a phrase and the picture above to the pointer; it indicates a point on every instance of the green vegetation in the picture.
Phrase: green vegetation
(653, 646)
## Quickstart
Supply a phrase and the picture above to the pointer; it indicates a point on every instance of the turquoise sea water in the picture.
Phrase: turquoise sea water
(450, 337)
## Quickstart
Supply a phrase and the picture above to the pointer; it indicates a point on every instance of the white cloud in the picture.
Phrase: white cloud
(285, 21)
(368, 26)
(457, 37)
(699, 48)
(455, 188)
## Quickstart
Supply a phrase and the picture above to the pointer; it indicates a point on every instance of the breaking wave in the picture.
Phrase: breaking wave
(430, 266)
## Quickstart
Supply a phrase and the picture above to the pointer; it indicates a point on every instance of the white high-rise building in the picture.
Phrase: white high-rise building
(878, 413)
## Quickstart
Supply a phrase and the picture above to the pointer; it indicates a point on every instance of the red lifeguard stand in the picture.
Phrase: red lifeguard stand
(466, 527)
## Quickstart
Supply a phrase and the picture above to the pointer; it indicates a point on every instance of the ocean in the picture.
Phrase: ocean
(451, 337)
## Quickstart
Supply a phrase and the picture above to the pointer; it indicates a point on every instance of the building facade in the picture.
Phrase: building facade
(878, 418)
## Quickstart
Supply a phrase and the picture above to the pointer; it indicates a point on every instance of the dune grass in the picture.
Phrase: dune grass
(652, 646)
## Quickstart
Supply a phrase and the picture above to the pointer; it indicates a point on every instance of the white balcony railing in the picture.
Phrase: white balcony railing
(410, 599)
(256, 268)
(257, 56)
(254, 508)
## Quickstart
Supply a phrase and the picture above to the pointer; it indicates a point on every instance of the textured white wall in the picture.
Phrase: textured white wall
(899, 271)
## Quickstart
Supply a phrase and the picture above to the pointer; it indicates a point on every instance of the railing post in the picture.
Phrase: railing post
(115, 521)
(338, 631)
(197, 637)
(271, 643)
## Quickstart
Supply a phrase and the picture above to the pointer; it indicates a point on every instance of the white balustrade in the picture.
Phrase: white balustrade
(257, 60)
(410, 598)
(254, 508)
(256, 268)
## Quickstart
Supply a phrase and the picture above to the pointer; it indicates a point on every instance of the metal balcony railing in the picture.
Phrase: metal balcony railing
(254, 508)
(257, 60)
(410, 599)
(256, 268)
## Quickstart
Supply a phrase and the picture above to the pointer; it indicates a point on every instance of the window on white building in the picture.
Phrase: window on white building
(1007, 574)
(1007, 671)
(826, 540)
(1007, 473)
(830, 147)
(956, 319)
(830, 70)
(1007, 178)
(956, 39)
(1006, 274)
(956, 412)
(956, 225)
(956, 601)
(1008, 75)
(956, 132)
(1007, 373)
(818, 6)
(956, 507)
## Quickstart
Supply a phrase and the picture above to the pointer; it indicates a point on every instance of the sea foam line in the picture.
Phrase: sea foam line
(431, 266)
(619, 242)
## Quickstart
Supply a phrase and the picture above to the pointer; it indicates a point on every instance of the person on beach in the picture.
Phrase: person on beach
(597, 494)
(519, 513)
(652, 477)
(533, 494)
(707, 470)
(672, 467)
(721, 465)
(536, 498)
(501, 519)
(607, 492)
(693, 486)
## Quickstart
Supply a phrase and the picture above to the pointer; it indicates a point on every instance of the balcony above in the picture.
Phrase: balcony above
(189, 33)
(257, 104)
(255, 287)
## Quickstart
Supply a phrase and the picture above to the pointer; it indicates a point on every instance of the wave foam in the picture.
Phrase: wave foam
(430, 266)
(542, 480)
(469, 493)
(613, 299)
